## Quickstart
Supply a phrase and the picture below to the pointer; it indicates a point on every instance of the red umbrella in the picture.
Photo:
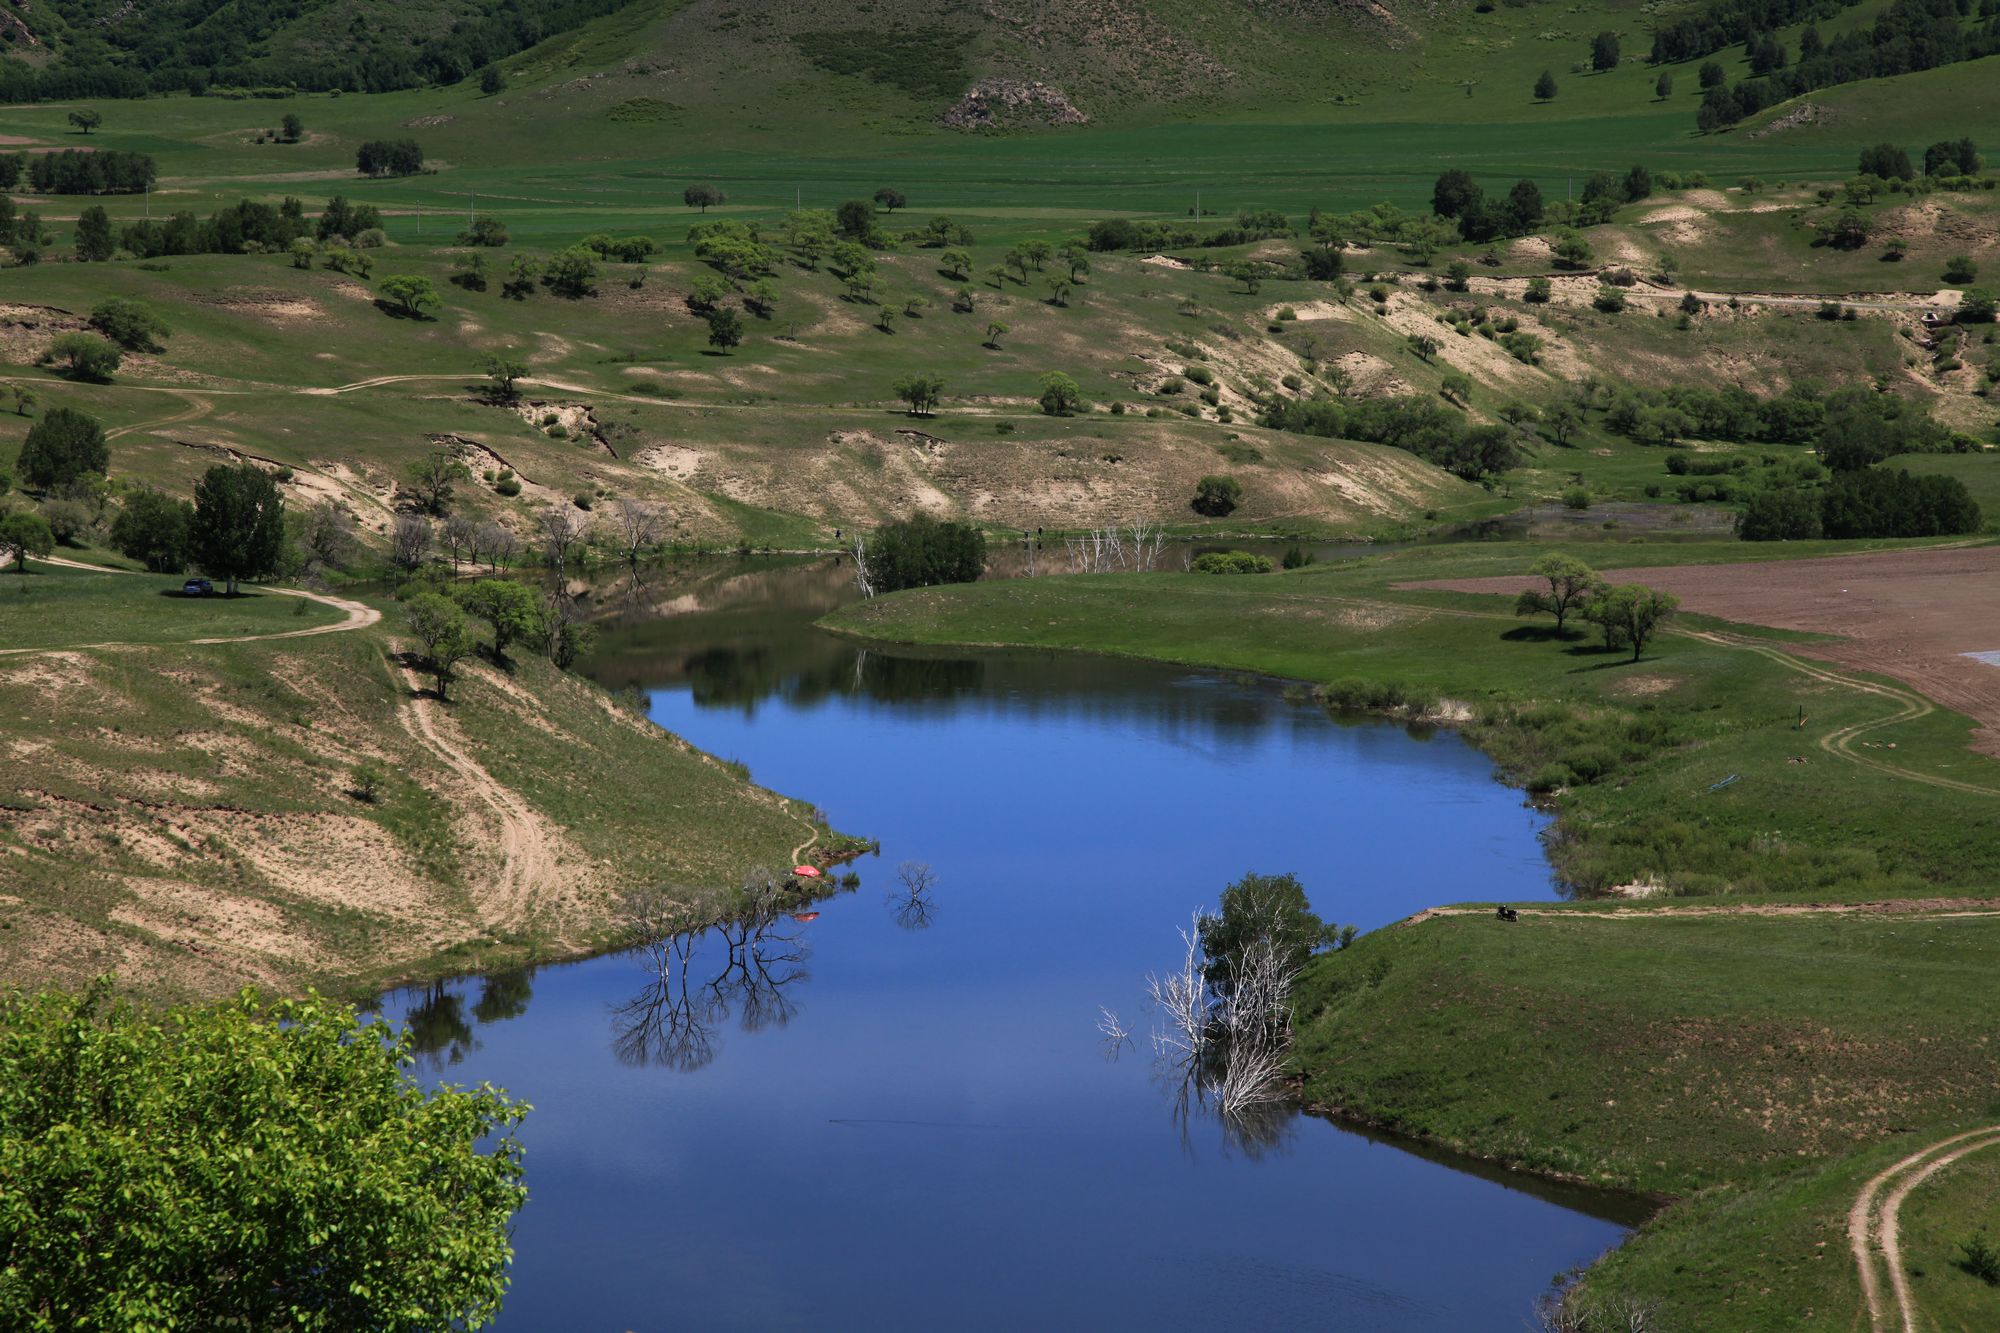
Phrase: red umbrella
(810, 872)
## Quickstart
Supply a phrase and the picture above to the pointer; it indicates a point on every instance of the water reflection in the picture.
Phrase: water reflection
(698, 979)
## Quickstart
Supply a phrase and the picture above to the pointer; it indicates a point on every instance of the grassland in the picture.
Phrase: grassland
(186, 815)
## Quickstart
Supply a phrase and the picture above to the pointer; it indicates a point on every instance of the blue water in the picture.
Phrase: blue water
(873, 1121)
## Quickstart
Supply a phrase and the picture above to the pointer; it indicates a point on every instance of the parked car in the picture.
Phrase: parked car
(197, 588)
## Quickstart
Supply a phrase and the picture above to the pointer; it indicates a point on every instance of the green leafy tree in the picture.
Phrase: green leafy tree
(1257, 909)
(955, 263)
(890, 199)
(923, 552)
(439, 624)
(433, 478)
(503, 373)
(64, 445)
(292, 128)
(1634, 613)
(1604, 51)
(571, 272)
(1572, 584)
(492, 81)
(238, 529)
(83, 356)
(130, 324)
(152, 528)
(1037, 253)
(1563, 422)
(86, 119)
(93, 235)
(1572, 250)
(23, 534)
(1217, 496)
(725, 327)
(521, 275)
(243, 1166)
(855, 219)
(1060, 395)
(409, 295)
(1545, 87)
(1663, 87)
(921, 392)
(511, 611)
(1077, 256)
(995, 330)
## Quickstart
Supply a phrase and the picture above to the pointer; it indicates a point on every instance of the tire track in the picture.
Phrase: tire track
(1873, 1229)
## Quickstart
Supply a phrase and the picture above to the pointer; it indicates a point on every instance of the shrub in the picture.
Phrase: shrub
(1217, 496)
(1576, 497)
(1231, 562)
(1980, 1259)
(509, 486)
(1609, 299)
(923, 552)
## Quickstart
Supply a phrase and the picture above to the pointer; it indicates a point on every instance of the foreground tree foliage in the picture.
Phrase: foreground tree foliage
(238, 528)
(242, 1166)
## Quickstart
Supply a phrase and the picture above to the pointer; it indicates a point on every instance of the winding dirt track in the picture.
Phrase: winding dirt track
(527, 862)
(1873, 1225)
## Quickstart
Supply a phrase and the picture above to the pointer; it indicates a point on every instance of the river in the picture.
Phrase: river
(897, 1116)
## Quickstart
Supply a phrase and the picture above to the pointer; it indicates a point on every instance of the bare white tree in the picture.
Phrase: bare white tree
(864, 577)
(410, 541)
(1180, 1039)
(638, 525)
(461, 536)
(327, 534)
(561, 528)
(498, 545)
(1147, 541)
(1116, 1038)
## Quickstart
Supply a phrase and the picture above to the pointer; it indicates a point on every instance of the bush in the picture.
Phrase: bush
(509, 486)
(1610, 300)
(1217, 496)
(1980, 1259)
(1231, 562)
(1551, 777)
(1576, 497)
(923, 552)
(130, 324)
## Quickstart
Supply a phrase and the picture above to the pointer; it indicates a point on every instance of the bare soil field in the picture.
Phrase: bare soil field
(1910, 615)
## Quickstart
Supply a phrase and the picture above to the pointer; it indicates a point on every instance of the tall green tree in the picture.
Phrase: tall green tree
(439, 624)
(61, 447)
(23, 534)
(1572, 584)
(243, 1166)
(152, 528)
(511, 610)
(1545, 87)
(1060, 395)
(238, 530)
(93, 235)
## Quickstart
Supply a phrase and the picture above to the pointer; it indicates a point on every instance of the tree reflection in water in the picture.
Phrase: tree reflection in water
(439, 1034)
(672, 1022)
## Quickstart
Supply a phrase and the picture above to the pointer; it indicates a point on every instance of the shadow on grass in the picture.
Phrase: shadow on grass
(1541, 634)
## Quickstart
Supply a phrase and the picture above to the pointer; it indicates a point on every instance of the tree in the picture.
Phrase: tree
(438, 623)
(1257, 910)
(921, 392)
(83, 356)
(922, 552)
(1060, 395)
(93, 235)
(1545, 87)
(1663, 87)
(504, 372)
(571, 272)
(152, 528)
(238, 529)
(1572, 251)
(955, 263)
(1454, 193)
(292, 128)
(86, 119)
(1635, 612)
(511, 611)
(1423, 346)
(639, 526)
(61, 447)
(1563, 422)
(23, 534)
(890, 199)
(725, 327)
(1217, 496)
(432, 478)
(1060, 287)
(1952, 157)
(492, 81)
(389, 157)
(1572, 584)
(410, 539)
(368, 1201)
(130, 324)
(409, 295)
(1037, 253)
(487, 231)
(1078, 258)
(994, 331)
(1960, 269)
(325, 534)
(1604, 51)
(1887, 161)
(855, 219)
(561, 528)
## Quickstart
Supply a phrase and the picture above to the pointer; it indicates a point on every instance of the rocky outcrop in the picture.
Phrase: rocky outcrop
(998, 103)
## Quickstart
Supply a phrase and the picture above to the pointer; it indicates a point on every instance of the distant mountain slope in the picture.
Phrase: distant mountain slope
(1088, 58)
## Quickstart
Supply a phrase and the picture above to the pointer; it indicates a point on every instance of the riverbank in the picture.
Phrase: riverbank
(1753, 1061)
(299, 811)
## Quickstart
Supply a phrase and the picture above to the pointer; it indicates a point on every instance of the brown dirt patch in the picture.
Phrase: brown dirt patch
(1909, 615)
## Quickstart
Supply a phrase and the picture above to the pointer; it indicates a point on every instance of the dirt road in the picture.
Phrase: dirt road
(1873, 1226)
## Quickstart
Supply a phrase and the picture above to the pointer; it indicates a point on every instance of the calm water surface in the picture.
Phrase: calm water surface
(882, 1118)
